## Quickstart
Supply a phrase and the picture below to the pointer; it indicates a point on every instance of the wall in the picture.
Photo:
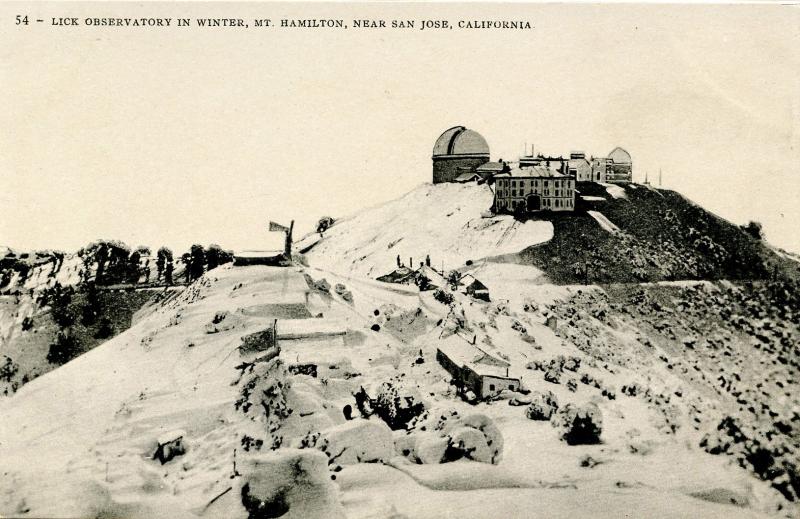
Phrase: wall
(446, 169)
(499, 383)
(506, 196)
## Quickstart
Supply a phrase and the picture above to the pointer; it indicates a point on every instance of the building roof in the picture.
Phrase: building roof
(620, 156)
(491, 167)
(575, 162)
(466, 177)
(537, 171)
(468, 355)
(459, 140)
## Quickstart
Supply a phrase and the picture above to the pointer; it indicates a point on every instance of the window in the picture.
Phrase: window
(511, 387)
(491, 387)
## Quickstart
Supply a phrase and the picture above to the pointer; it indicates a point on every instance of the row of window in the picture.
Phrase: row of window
(557, 183)
(504, 193)
(547, 203)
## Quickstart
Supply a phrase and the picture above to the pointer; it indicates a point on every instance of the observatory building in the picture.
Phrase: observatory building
(458, 151)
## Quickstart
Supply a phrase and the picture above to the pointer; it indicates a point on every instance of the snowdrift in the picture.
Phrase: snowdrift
(442, 221)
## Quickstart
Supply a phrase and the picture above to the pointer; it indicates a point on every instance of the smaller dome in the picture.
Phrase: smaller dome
(459, 140)
(620, 156)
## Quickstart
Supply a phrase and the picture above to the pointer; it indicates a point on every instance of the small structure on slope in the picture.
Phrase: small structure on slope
(474, 288)
(473, 369)
(274, 258)
(170, 444)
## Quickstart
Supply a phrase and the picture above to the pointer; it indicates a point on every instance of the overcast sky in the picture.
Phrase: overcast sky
(195, 135)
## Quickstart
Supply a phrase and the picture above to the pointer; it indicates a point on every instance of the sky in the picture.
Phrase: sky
(196, 135)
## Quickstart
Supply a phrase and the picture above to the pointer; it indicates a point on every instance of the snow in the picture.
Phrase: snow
(442, 221)
(79, 440)
(615, 190)
(604, 222)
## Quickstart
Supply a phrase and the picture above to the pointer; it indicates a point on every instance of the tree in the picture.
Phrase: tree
(63, 350)
(754, 229)
(168, 273)
(133, 272)
(163, 257)
(215, 256)
(186, 259)
(105, 330)
(197, 261)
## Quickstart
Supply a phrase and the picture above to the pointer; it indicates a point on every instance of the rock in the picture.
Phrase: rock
(543, 406)
(579, 424)
(357, 441)
(289, 483)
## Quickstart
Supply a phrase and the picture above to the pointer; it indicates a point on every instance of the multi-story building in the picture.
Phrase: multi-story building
(535, 188)
(579, 167)
(600, 167)
(620, 166)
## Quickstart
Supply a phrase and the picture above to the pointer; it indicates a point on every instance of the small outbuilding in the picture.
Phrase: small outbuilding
(473, 369)
(474, 288)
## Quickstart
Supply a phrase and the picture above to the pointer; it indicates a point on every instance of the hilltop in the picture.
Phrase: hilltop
(685, 388)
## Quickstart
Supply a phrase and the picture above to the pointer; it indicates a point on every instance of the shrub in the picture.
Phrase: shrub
(543, 406)
(754, 229)
(443, 297)
(396, 405)
(579, 424)
(8, 369)
(63, 350)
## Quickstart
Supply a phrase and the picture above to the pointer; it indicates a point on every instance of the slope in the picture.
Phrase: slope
(444, 222)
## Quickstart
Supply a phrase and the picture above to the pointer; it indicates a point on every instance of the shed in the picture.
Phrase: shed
(474, 287)
(473, 369)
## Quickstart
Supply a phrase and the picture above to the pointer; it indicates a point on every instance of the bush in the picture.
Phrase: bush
(63, 350)
(754, 229)
(579, 424)
(396, 405)
(324, 224)
(8, 369)
(443, 297)
(543, 406)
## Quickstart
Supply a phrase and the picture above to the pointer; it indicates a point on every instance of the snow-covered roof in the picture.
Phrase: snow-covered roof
(464, 354)
(492, 166)
(531, 172)
(467, 177)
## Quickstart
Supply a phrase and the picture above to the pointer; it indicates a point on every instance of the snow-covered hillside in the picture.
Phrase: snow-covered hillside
(317, 391)
(442, 221)
(272, 433)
